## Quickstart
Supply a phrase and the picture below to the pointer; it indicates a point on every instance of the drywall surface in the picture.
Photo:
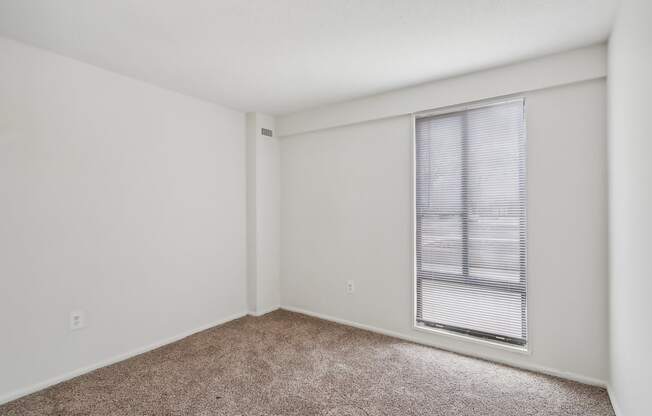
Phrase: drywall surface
(347, 213)
(252, 260)
(630, 204)
(263, 216)
(563, 68)
(117, 198)
(268, 204)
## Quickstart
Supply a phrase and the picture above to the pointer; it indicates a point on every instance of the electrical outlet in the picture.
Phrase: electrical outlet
(77, 320)
(350, 286)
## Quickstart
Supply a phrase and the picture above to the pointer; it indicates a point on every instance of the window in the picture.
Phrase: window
(471, 224)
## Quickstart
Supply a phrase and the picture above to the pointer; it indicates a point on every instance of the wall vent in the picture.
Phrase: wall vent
(266, 132)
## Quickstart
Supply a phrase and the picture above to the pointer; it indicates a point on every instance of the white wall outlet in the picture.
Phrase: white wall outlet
(350, 286)
(77, 320)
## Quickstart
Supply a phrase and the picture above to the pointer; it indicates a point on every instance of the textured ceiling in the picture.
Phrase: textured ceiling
(279, 56)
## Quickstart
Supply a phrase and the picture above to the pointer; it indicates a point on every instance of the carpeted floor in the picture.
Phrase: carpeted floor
(285, 363)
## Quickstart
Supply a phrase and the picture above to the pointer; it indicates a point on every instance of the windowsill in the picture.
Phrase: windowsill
(467, 338)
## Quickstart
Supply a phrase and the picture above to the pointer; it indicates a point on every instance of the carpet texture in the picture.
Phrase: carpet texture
(286, 363)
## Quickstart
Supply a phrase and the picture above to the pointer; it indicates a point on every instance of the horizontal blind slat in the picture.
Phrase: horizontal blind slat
(471, 221)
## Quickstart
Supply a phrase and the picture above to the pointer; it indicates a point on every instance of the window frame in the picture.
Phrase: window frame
(495, 284)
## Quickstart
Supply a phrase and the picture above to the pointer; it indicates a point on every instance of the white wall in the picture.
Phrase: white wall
(630, 199)
(263, 216)
(252, 241)
(118, 198)
(346, 214)
(268, 189)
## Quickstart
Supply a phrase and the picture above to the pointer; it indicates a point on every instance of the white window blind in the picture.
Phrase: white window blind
(471, 224)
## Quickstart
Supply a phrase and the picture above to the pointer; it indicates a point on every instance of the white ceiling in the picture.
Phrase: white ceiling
(279, 56)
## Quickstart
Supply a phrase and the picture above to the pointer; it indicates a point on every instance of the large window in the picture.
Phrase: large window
(471, 227)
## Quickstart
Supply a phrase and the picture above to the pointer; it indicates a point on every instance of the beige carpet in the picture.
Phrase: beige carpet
(289, 364)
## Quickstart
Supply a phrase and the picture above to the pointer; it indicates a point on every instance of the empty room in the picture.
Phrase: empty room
(325, 207)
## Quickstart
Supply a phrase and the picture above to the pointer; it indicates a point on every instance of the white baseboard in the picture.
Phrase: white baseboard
(264, 311)
(538, 369)
(614, 403)
(13, 395)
